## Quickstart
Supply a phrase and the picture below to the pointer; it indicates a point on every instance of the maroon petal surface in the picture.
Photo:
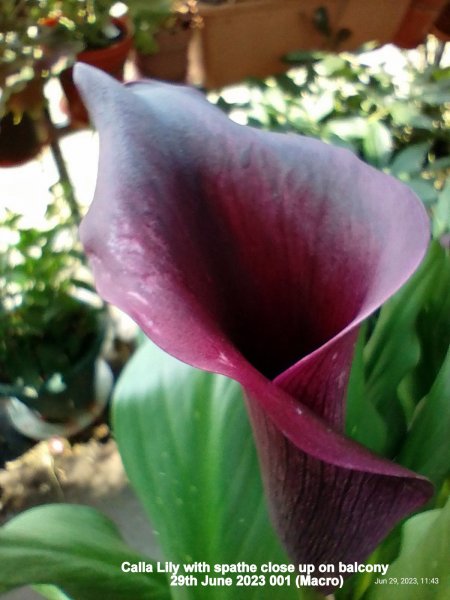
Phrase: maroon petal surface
(256, 255)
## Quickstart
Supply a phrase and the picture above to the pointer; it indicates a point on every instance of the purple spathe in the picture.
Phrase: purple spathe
(256, 255)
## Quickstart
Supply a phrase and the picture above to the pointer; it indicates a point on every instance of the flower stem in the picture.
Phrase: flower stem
(64, 178)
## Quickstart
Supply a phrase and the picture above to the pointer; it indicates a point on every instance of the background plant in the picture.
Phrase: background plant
(49, 314)
(149, 18)
(87, 21)
(395, 119)
(31, 50)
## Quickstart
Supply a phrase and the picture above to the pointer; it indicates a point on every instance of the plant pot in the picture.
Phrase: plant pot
(170, 62)
(418, 22)
(111, 60)
(20, 140)
(70, 416)
(24, 128)
(50, 367)
(65, 403)
(250, 38)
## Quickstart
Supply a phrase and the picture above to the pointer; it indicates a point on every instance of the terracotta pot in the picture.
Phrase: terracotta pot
(250, 38)
(418, 22)
(170, 62)
(24, 130)
(111, 60)
(442, 24)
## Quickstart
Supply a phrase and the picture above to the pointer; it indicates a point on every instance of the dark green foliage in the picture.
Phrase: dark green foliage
(47, 319)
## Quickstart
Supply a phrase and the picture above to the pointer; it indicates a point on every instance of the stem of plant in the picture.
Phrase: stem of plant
(63, 173)
(439, 54)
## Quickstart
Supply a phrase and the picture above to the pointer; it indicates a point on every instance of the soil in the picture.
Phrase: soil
(88, 473)
(57, 471)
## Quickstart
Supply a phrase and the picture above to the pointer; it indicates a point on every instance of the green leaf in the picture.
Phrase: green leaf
(426, 449)
(377, 143)
(347, 128)
(394, 349)
(436, 94)
(433, 330)
(288, 85)
(332, 64)
(439, 164)
(441, 213)
(76, 549)
(188, 450)
(321, 21)
(51, 592)
(411, 159)
(302, 57)
(317, 108)
(424, 557)
(407, 113)
(424, 189)
(363, 422)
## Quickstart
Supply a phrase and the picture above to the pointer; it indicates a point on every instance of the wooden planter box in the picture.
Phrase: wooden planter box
(170, 63)
(419, 21)
(250, 38)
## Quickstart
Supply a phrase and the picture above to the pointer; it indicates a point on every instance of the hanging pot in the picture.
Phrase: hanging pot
(24, 128)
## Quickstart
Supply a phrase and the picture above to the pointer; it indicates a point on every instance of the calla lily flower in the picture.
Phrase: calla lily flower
(257, 255)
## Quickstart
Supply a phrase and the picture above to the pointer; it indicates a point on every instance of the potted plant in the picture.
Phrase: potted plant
(29, 54)
(105, 41)
(52, 328)
(162, 33)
